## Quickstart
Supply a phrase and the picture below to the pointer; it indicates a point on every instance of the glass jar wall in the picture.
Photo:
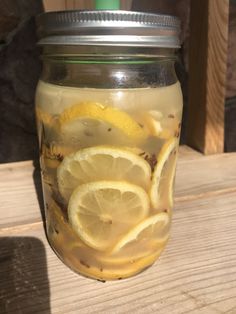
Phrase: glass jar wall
(109, 127)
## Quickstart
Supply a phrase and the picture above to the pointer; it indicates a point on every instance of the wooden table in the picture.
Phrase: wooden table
(195, 274)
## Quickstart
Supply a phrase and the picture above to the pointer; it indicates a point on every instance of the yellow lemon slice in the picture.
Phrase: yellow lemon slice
(163, 127)
(43, 116)
(60, 233)
(53, 155)
(101, 212)
(102, 163)
(120, 259)
(47, 126)
(49, 163)
(90, 122)
(112, 272)
(150, 234)
(161, 192)
(152, 119)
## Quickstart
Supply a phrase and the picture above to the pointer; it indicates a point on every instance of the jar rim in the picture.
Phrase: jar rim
(108, 28)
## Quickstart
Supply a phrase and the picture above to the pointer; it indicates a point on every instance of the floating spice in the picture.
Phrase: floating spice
(142, 154)
(88, 133)
(59, 157)
(56, 230)
(177, 133)
(152, 160)
(84, 263)
(101, 280)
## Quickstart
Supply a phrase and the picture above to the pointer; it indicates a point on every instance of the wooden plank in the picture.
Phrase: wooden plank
(20, 185)
(79, 4)
(207, 74)
(24, 285)
(126, 4)
(200, 175)
(60, 5)
(195, 274)
(20, 193)
(52, 5)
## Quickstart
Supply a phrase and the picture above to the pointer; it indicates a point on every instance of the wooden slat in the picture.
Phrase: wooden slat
(197, 175)
(20, 193)
(79, 4)
(207, 74)
(58, 5)
(126, 4)
(201, 175)
(196, 273)
(52, 5)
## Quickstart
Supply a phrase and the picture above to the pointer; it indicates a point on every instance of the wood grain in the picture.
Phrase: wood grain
(197, 176)
(52, 5)
(24, 285)
(207, 74)
(126, 4)
(20, 193)
(195, 274)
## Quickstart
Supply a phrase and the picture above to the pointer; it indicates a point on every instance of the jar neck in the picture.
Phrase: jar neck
(112, 51)
(109, 70)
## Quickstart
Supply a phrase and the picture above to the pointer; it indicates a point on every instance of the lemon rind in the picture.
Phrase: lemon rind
(162, 157)
(134, 232)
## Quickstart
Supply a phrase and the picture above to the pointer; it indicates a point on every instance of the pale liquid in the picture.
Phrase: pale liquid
(51, 101)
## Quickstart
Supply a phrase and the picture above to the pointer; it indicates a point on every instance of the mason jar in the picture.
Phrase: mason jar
(108, 107)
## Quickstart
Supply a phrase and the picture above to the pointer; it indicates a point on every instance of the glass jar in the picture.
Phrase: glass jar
(108, 107)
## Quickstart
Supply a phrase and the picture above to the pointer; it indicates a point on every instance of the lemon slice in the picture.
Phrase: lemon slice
(43, 116)
(102, 163)
(152, 119)
(60, 233)
(123, 260)
(161, 192)
(150, 234)
(112, 272)
(53, 155)
(47, 126)
(101, 212)
(89, 122)
(159, 125)
(49, 163)
(156, 126)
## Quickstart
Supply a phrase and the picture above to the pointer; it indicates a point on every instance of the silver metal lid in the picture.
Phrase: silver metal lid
(108, 28)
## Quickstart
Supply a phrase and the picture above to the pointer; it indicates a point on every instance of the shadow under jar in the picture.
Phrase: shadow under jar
(109, 108)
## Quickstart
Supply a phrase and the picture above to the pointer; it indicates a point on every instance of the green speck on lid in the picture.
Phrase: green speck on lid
(107, 4)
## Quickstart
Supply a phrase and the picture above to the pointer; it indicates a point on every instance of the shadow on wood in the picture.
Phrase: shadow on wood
(24, 286)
